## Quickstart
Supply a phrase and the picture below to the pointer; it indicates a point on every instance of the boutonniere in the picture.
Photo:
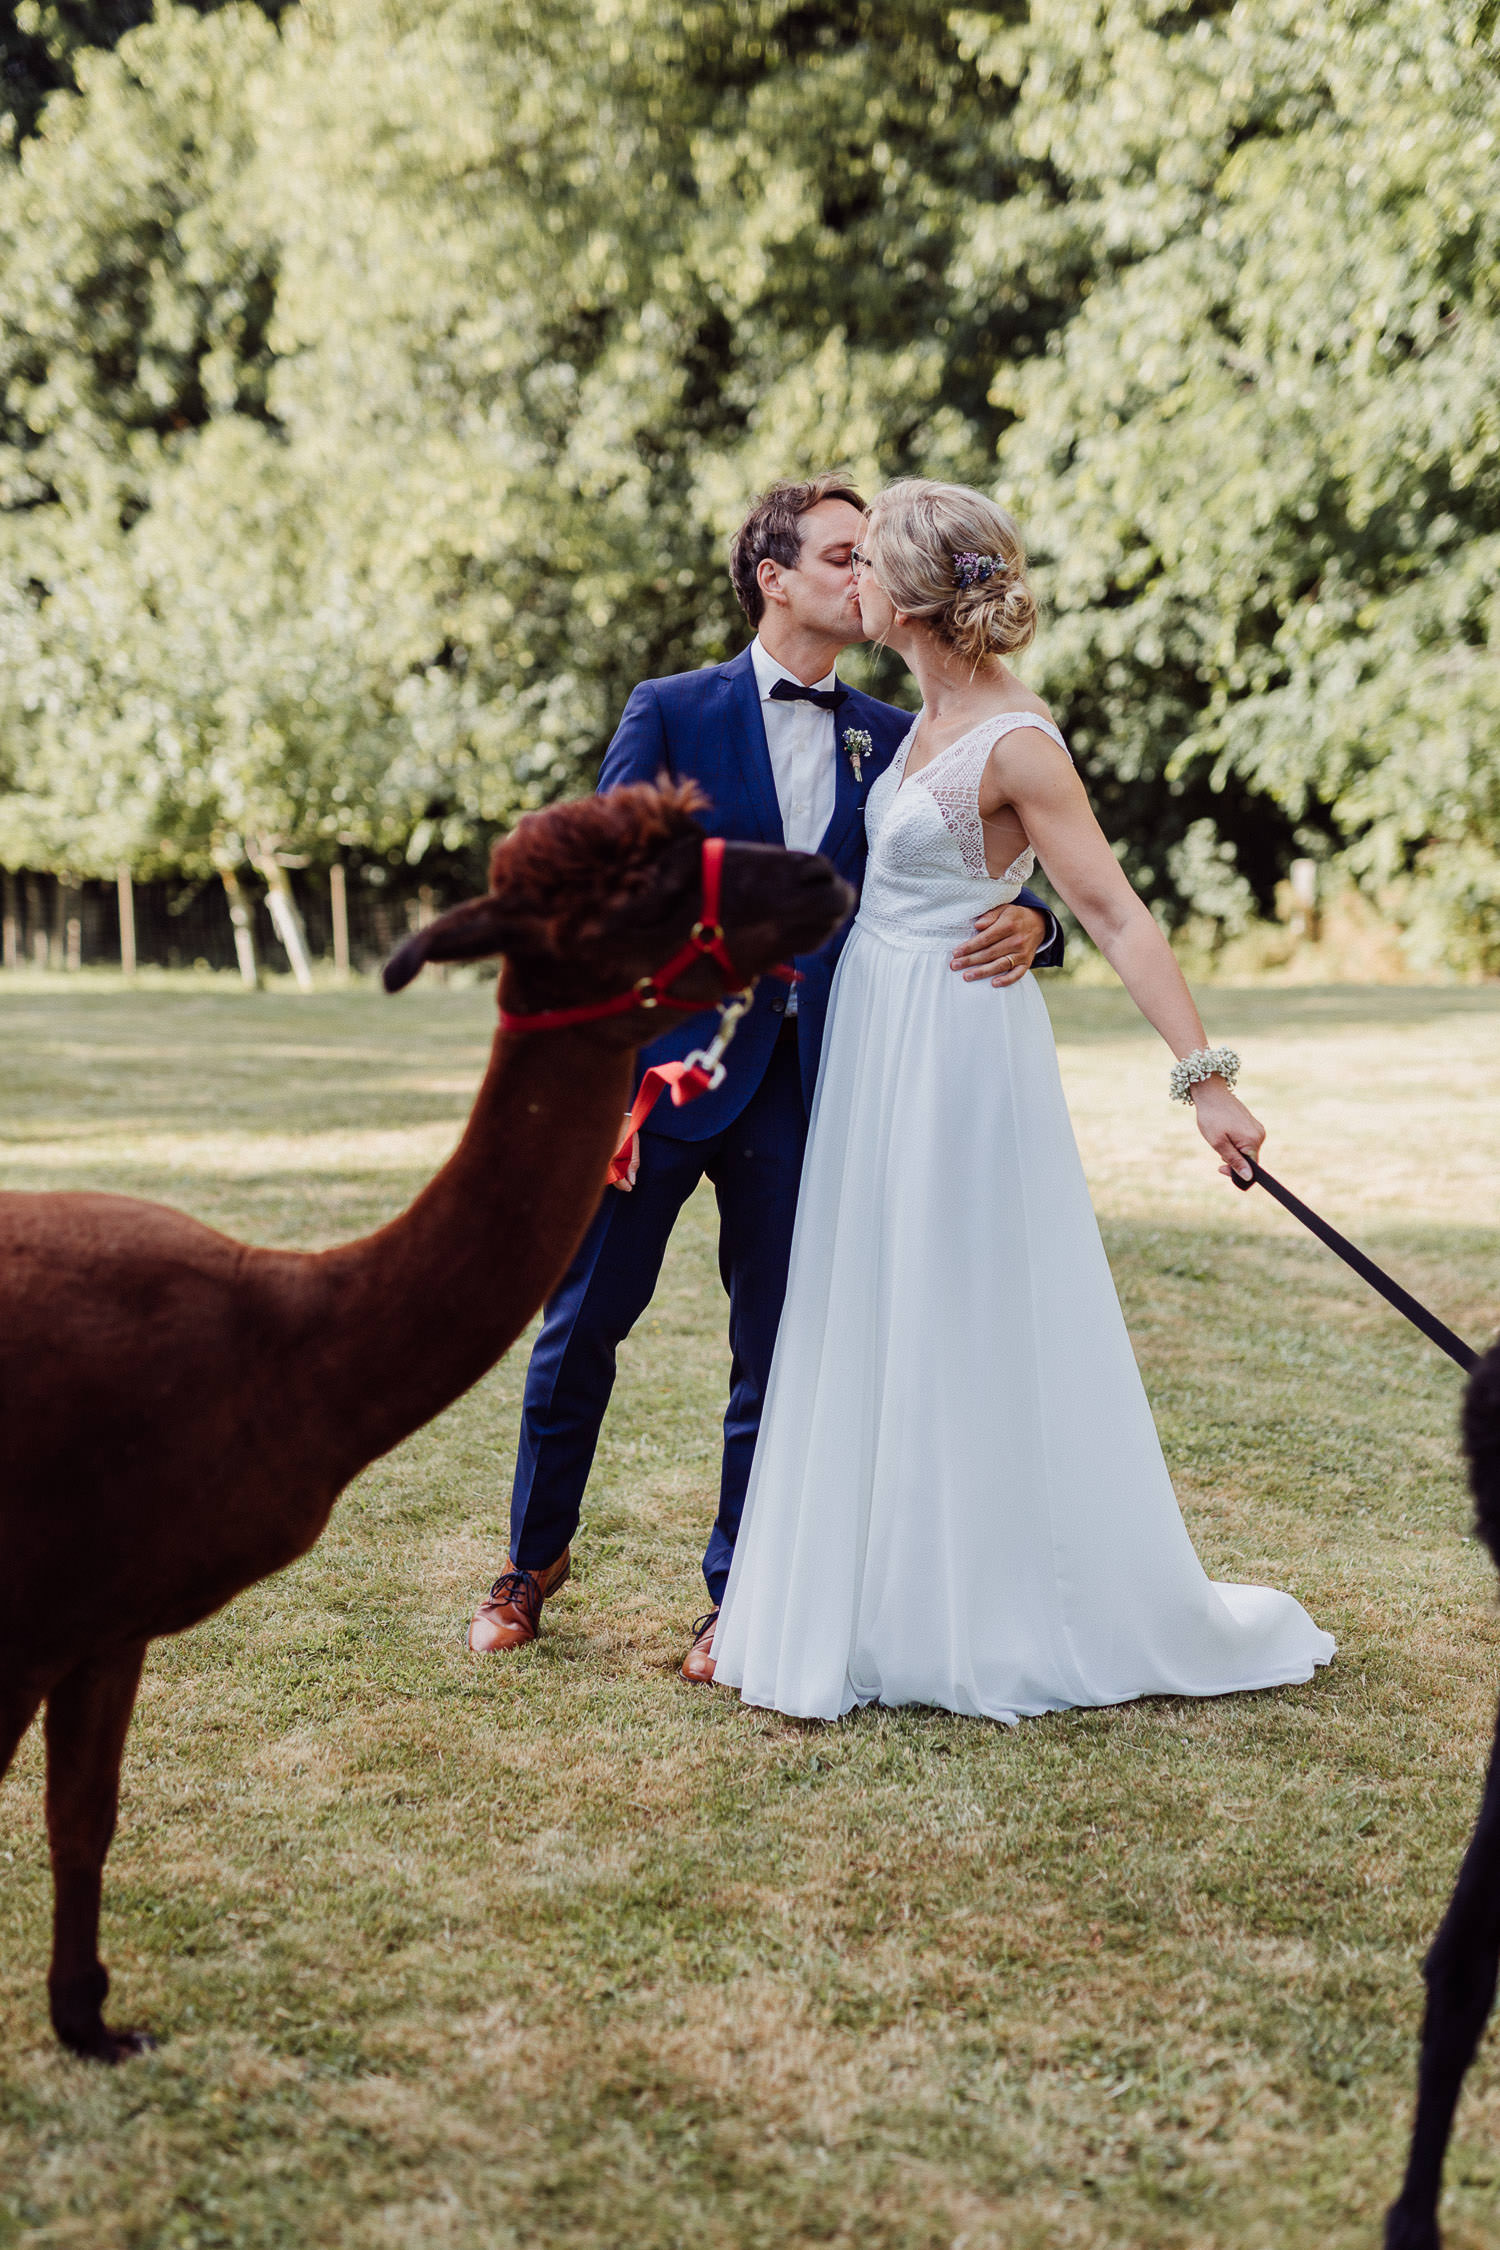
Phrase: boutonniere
(857, 745)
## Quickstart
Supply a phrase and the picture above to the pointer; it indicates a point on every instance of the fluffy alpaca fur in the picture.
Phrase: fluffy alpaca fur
(179, 1413)
(1461, 1967)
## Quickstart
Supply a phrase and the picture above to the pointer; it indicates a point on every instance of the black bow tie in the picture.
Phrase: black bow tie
(792, 691)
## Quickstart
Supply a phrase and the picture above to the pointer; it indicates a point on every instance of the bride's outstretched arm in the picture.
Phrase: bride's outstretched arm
(1028, 771)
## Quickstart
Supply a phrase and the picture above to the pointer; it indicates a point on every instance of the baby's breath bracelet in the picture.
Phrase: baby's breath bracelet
(1204, 1062)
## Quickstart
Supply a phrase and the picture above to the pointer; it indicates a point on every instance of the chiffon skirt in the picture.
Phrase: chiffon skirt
(958, 1496)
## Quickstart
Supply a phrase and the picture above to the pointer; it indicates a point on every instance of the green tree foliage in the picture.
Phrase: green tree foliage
(380, 382)
(407, 371)
(39, 38)
(1263, 451)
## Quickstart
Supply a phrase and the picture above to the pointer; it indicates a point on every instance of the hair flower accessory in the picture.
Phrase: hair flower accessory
(973, 570)
(857, 747)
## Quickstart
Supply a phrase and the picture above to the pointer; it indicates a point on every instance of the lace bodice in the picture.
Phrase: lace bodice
(926, 878)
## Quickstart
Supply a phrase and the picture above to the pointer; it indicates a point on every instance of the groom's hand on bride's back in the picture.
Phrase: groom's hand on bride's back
(1007, 941)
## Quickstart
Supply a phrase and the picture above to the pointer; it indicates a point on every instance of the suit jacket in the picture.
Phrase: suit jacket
(706, 727)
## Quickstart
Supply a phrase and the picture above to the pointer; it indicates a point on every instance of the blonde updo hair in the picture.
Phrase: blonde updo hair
(916, 534)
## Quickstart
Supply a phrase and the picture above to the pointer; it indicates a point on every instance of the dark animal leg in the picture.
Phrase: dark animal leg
(18, 1707)
(88, 1716)
(1461, 1974)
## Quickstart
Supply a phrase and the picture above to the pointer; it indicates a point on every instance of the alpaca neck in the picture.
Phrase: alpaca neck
(425, 1307)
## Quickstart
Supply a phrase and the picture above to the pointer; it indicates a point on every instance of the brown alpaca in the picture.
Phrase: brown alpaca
(178, 1413)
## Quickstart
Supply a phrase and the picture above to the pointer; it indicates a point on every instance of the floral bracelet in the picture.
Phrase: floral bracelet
(1204, 1062)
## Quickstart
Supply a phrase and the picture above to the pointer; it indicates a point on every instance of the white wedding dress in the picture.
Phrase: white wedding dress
(958, 1495)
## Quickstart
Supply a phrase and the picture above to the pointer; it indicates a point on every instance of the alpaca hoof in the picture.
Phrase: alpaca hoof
(77, 2008)
(82, 2027)
(106, 2046)
(1411, 2230)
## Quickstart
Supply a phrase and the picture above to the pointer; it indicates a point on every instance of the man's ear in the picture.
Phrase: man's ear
(471, 932)
(768, 579)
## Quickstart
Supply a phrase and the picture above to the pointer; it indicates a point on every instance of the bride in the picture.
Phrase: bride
(958, 1496)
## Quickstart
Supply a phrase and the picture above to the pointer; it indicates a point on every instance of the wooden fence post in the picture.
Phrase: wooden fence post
(427, 911)
(36, 918)
(125, 892)
(1303, 875)
(338, 898)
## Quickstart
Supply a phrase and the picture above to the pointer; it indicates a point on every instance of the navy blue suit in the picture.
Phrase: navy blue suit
(747, 1138)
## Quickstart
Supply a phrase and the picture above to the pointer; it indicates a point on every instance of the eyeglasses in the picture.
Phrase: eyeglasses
(858, 559)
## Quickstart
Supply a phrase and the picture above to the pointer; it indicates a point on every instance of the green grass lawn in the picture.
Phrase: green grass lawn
(557, 1950)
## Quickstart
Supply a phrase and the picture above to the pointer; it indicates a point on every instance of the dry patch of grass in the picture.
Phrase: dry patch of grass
(561, 1952)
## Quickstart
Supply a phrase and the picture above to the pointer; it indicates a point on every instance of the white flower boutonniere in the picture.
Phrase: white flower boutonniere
(858, 746)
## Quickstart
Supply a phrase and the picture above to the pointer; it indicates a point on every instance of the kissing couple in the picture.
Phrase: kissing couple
(941, 1480)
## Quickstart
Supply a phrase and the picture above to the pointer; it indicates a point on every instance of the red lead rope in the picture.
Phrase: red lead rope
(699, 1072)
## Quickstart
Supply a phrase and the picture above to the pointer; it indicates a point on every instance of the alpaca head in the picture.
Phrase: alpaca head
(588, 897)
(1481, 1438)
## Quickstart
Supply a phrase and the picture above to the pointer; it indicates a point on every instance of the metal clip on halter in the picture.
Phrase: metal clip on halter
(708, 1062)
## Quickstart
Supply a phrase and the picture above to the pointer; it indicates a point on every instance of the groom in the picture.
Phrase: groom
(786, 756)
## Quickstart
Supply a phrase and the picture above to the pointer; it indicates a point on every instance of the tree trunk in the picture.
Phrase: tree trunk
(244, 926)
(10, 928)
(125, 892)
(338, 895)
(284, 915)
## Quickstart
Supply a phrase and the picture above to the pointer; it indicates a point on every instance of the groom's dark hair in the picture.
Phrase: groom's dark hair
(773, 532)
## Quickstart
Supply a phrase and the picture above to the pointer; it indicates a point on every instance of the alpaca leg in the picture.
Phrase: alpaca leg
(88, 1716)
(18, 1707)
(1461, 1972)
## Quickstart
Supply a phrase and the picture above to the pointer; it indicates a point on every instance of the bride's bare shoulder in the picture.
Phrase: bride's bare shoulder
(1020, 756)
(1019, 703)
(1023, 700)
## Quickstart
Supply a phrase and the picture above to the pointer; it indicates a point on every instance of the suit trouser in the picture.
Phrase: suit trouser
(755, 1165)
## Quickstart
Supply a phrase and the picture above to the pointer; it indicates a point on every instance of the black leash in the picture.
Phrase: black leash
(1366, 1268)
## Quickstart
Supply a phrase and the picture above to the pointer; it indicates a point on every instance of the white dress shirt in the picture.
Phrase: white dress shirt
(804, 753)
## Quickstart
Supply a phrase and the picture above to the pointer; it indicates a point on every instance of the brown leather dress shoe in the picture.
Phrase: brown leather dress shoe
(510, 1614)
(698, 1664)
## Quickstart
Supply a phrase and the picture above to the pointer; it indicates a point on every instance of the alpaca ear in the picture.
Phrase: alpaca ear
(471, 932)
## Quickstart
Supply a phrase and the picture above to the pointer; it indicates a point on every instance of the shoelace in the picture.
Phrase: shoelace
(705, 1625)
(515, 1586)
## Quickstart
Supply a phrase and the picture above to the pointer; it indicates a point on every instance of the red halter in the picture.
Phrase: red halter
(699, 1072)
(707, 938)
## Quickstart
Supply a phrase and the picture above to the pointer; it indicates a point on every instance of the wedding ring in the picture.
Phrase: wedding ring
(1009, 962)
